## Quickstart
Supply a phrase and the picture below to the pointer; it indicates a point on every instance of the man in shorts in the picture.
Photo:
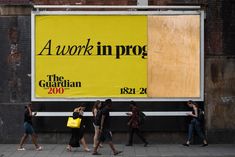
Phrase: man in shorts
(105, 132)
(28, 129)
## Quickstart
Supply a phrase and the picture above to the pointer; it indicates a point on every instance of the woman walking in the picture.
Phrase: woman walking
(97, 113)
(28, 128)
(77, 136)
(194, 124)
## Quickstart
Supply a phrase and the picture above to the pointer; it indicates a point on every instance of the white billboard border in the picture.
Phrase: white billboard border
(160, 12)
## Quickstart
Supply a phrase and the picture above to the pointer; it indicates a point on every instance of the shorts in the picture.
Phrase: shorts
(28, 128)
(105, 135)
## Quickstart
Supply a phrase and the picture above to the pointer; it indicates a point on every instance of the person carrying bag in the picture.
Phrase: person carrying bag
(77, 127)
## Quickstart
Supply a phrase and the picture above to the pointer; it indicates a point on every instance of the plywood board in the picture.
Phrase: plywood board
(174, 56)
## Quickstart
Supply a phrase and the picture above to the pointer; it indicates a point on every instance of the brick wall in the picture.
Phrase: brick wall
(219, 58)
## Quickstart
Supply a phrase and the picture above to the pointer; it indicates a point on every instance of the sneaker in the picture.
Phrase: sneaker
(68, 148)
(128, 144)
(39, 148)
(117, 152)
(204, 145)
(146, 144)
(185, 144)
(21, 148)
(96, 153)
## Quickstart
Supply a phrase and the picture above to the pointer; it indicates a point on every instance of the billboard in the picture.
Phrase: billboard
(141, 56)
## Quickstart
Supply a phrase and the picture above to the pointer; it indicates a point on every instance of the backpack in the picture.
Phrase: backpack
(201, 115)
(142, 117)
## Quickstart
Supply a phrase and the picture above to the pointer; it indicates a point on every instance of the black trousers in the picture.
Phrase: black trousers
(138, 133)
(75, 138)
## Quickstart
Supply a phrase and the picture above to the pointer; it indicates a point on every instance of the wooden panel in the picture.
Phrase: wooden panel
(174, 56)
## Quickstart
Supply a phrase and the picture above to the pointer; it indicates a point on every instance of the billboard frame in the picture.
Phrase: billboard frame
(133, 12)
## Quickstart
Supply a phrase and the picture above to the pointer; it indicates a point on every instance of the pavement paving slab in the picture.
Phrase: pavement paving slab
(153, 150)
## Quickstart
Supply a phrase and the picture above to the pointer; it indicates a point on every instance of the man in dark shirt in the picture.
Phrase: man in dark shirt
(105, 132)
(134, 124)
(28, 128)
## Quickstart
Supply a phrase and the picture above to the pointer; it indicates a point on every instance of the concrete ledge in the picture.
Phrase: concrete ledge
(221, 136)
(119, 138)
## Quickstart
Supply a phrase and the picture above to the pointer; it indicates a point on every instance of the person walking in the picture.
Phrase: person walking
(195, 123)
(105, 132)
(134, 124)
(97, 113)
(77, 136)
(28, 128)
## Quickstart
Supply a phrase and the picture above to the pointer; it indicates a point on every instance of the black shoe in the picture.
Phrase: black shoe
(96, 153)
(146, 144)
(204, 145)
(128, 144)
(185, 144)
(117, 152)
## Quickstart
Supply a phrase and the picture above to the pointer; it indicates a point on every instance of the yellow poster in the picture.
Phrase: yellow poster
(89, 56)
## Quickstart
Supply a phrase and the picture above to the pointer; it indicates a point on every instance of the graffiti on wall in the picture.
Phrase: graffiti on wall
(14, 64)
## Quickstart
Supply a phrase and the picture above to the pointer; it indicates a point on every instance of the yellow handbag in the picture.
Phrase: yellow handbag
(73, 123)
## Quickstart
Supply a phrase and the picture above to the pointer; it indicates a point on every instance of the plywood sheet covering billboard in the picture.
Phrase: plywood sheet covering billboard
(174, 56)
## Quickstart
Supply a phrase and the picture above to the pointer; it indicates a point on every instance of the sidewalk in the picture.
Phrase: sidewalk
(154, 150)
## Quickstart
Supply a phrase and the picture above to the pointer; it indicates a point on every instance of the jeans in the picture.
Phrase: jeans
(138, 133)
(195, 124)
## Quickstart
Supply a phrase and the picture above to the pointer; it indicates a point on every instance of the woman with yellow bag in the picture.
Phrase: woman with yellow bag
(77, 136)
